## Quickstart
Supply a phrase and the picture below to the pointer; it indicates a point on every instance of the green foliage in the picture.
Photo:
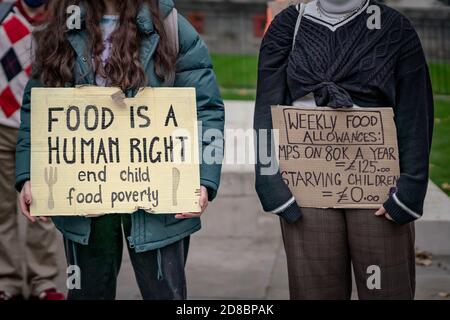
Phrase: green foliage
(237, 75)
(440, 154)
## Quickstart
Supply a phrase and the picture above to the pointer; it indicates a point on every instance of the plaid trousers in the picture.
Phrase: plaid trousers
(322, 246)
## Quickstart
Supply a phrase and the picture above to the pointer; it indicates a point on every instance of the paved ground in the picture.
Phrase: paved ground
(239, 254)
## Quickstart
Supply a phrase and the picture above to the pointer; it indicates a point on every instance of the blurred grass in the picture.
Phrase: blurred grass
(440, 77)
(236, 71)
(440, 154)
(238, 94)
(237, 76)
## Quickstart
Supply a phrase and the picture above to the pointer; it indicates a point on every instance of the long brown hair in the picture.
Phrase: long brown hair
(54, 57)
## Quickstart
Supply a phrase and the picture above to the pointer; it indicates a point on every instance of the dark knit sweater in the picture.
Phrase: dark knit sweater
(352, 65)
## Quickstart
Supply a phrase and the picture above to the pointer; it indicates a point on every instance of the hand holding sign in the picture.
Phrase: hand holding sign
(25, 200)
(383, 213)
(203, 205)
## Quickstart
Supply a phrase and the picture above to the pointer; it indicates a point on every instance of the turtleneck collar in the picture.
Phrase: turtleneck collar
(339, 7)
(315, 12)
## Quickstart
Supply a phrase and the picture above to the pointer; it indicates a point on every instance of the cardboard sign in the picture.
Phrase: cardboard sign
(346, 158)
(93, 152)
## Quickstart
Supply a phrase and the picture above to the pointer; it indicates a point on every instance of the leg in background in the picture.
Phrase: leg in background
(41, 252)
(11, 273)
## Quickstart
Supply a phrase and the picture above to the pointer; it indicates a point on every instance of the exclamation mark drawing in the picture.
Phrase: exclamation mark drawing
(175, 184)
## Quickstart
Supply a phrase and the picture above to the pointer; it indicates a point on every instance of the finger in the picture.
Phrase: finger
(25, 210)
(194, 214)
(190, 215)
(204, 195)
(203, 202)
(182, 217)
(380, 212)
(27, 194)
(203, 207)
(43, 219)
(388, 217)
(23, 207)
(186, 215)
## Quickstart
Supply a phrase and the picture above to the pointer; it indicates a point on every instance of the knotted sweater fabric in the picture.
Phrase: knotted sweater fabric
(352, 65)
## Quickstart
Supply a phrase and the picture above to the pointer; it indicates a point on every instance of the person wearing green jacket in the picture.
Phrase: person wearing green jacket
(125, 44)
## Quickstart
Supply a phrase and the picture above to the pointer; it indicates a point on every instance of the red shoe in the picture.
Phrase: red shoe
(49, 294)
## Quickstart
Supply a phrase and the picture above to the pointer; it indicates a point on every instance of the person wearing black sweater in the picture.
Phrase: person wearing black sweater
(334, 59)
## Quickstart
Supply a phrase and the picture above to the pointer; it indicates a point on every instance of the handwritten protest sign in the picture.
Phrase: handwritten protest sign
(345, 158)
(93, 154)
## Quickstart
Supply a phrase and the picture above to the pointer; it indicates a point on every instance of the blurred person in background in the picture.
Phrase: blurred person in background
(16, 23)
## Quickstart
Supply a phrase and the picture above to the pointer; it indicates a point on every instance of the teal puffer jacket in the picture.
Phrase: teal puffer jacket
(194, 69)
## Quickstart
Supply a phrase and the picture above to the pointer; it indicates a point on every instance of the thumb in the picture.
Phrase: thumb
(380, 212)
(203, 200)
(27, 195)
(203, 196)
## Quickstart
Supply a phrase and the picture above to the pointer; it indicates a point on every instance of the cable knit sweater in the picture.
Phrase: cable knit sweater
(345, 66)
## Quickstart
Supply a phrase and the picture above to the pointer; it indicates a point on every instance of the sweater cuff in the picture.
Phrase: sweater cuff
(292, 213)
(20, 181)
(211, 187)
(398, 211)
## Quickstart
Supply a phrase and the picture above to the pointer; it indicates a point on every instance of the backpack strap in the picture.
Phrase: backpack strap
(301, 9)
(171, 27)
(5, 9)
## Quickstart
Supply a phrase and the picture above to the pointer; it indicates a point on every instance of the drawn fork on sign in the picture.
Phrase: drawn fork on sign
(51, 178)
